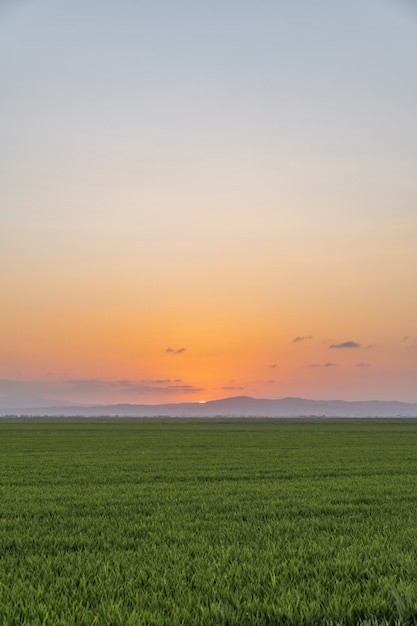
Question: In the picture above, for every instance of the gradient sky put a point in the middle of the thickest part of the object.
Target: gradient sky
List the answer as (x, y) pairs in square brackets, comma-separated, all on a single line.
[(206, 199)]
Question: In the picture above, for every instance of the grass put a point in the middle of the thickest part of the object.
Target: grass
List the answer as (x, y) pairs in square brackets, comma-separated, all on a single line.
[(158, 522)]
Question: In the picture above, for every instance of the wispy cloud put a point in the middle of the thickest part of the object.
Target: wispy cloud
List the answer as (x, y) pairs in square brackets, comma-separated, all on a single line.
[(273, 365), (345, 345), (411, 342), (164, 385), (328, 364), (184, 389), (23, 393), (232, 388), (363, 365), (161, 385), (301, 338), (175, 350)]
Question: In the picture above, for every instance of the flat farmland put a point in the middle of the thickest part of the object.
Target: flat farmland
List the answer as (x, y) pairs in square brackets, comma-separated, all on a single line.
[(158, 522)]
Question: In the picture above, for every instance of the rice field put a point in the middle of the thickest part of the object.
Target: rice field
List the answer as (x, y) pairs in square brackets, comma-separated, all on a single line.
[(231, 522)]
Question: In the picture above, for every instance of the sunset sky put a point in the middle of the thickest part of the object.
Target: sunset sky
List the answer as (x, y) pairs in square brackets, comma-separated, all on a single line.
[(207, 199)]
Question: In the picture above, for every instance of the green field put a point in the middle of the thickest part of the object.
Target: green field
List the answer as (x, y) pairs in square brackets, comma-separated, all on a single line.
[(147, 522)]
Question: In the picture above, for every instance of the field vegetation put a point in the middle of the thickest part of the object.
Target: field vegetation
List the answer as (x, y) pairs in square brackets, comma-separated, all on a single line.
[(232, 522)]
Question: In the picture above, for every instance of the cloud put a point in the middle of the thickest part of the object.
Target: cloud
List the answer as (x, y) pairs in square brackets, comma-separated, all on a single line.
[(345, 344), (363, 365), (273, 365), (175, 351), (301, 338), (160, 385), (405, 338), (231, 388), (43, 393), (87, 382), (184, 389), (328, 364), (23, 393)]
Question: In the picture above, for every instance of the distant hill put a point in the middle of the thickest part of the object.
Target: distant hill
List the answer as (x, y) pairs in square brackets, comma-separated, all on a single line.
[(239, 406)]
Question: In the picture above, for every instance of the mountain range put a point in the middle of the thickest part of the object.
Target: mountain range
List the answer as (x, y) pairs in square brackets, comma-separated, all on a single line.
[(238, 406)]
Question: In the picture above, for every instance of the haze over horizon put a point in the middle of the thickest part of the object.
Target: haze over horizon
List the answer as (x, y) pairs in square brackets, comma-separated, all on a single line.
[(207, 200)]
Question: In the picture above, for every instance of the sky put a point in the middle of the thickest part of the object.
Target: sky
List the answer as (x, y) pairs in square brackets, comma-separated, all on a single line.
[(207, 199)]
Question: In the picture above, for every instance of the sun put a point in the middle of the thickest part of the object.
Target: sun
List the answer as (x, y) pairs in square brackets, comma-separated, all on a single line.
[(201, 401)]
